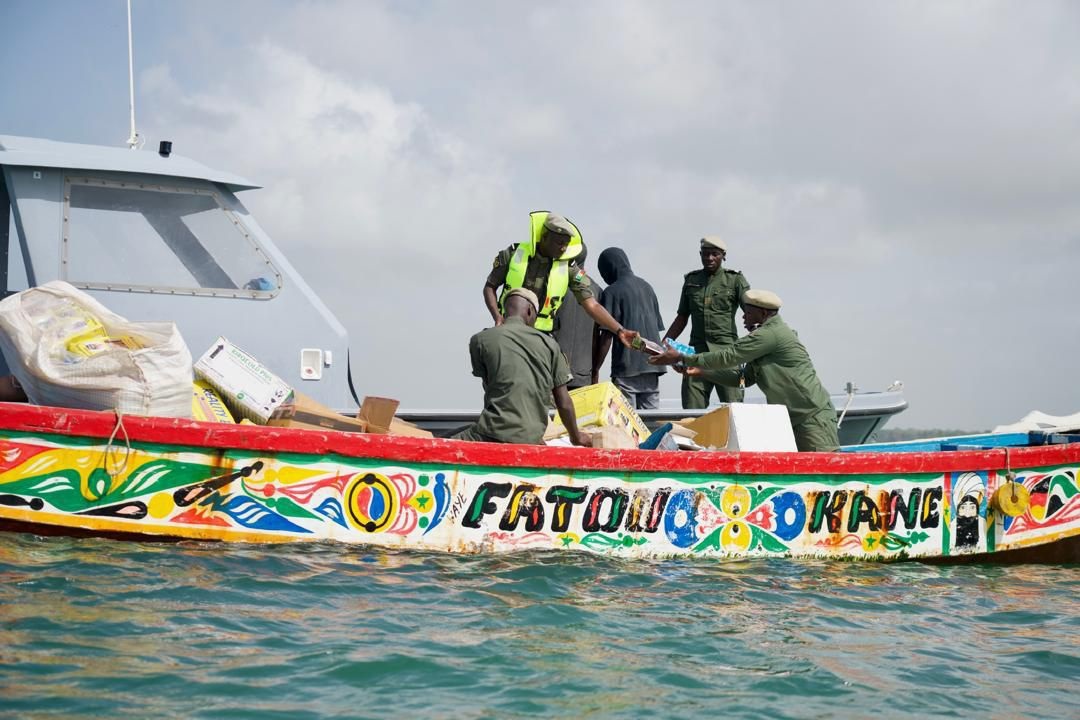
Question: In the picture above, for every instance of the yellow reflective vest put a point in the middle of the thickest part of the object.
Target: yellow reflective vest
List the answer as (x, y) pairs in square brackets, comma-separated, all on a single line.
[(558, 279)]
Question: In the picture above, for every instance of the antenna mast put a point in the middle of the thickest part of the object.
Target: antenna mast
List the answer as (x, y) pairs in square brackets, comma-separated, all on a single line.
[(133, 139)]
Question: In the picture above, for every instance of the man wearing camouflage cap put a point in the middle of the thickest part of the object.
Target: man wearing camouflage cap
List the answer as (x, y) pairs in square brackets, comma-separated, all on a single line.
[(710, 296), (779, 364), (522, 370), (546, 266)]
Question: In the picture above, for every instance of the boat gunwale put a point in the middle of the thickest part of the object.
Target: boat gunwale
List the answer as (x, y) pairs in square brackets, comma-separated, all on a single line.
[(24, 418)]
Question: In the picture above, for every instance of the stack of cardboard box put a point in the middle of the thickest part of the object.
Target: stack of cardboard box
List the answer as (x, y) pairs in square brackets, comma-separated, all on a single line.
[(228, 377)]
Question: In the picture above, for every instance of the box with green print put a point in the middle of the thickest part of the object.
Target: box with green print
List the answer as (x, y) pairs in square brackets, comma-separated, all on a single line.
[(248, 387)]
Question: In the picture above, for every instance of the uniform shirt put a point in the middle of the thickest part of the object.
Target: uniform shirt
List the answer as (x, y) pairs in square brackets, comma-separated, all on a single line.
[(536, 275), (520, 366), (710, 302), (779, 364)]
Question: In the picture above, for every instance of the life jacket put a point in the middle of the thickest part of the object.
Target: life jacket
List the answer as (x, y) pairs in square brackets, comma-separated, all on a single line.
[(558, 279)]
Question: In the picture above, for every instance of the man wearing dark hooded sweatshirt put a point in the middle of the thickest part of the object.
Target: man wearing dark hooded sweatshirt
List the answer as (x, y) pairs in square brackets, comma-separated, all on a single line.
[(574, 330), (632, 302)]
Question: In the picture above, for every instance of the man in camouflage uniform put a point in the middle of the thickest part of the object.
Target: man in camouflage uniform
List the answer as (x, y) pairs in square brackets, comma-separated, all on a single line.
[(779, 364), (709, 299)]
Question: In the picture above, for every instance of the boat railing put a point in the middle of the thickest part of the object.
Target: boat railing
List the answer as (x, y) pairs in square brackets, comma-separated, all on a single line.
[(987, 441)]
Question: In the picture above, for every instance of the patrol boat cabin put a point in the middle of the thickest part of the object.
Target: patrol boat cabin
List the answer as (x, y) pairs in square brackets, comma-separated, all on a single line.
[(154, 235)]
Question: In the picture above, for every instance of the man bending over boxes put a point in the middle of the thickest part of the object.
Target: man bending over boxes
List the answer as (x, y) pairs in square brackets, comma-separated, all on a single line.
[(522, 369), (779, 364)]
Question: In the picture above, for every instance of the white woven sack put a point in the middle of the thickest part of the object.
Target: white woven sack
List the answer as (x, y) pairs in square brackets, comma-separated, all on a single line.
[(154, 380)]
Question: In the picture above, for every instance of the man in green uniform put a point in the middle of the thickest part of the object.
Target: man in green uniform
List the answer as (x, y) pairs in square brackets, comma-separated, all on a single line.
[(779, 364), (522, 369), (546, 266), (709, 299)]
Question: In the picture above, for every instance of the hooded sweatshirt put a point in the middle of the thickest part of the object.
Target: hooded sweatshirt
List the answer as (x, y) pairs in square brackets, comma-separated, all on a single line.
[(633, 304)]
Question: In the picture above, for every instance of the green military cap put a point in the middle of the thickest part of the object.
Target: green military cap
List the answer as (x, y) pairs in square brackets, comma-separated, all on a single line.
[(527, 294), (558, 224), (713, 242), (762, 299)]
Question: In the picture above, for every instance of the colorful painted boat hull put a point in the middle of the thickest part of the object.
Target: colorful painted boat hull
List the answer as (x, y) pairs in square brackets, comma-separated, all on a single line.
[(164, 478)]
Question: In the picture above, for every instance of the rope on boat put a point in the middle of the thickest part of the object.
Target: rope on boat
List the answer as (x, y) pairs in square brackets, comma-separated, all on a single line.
[(1009, 476), (851, 389), (109, 447)]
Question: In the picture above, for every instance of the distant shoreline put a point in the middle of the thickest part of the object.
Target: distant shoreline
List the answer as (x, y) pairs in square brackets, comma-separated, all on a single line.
[(903, 434)]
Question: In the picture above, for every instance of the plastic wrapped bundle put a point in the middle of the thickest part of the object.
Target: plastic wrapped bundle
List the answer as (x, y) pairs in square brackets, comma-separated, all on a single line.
[(68, 350)]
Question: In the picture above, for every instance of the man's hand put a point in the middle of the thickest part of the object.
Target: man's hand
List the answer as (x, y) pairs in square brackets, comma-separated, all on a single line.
[(499, 319), (626, 337), (595, 377), (580, 439), (692, 371), (670, 356)]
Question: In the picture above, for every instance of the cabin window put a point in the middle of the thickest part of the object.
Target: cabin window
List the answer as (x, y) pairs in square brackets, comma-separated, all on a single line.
[(158, 238)]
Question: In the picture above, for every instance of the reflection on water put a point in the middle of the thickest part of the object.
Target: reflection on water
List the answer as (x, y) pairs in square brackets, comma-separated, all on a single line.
[(96, 628)]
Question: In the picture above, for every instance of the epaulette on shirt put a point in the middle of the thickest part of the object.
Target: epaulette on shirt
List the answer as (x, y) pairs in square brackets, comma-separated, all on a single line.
[(499, 255)]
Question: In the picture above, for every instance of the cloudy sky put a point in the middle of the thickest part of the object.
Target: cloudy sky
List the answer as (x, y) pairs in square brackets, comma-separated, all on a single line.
[(905, 175)]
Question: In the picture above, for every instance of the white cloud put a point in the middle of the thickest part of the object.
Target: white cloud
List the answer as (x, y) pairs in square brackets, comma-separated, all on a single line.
[(339, 154)]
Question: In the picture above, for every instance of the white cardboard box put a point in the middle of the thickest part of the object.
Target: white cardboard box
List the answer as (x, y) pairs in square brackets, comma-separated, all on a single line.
[(750, 427), (760, 427), (246, 385)]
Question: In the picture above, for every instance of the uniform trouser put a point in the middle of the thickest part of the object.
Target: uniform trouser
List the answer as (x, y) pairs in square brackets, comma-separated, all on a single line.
[(643, 391), (697, 390), (817, 433), (471, 435)]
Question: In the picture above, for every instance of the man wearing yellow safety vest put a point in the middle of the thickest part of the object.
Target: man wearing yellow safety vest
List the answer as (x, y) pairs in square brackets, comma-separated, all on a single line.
[(545, 265)]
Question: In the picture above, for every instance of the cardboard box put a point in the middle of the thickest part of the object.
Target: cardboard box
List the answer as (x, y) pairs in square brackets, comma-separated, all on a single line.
[(207, 405), (599, 406), (753, 427), (611, 438), (400, 427), (304, 412), (377, 413), (376, 416), (711, 429), (247, 387)]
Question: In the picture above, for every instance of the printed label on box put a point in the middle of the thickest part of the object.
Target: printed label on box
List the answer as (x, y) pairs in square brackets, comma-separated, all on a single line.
[(253, 391)]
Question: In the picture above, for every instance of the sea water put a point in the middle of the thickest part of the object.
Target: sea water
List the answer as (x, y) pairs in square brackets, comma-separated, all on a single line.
[(97, 628)]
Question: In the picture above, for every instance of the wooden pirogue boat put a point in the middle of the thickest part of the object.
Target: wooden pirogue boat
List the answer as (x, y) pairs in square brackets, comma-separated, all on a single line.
[(81, 472)]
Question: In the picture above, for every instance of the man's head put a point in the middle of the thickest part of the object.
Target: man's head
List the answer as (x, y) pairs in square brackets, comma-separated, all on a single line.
[(759, 306), (556, 235), (713, 252), (613, 264), (523, 304)]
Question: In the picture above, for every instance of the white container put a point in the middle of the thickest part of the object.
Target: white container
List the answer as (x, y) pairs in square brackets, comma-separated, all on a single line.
[(247, 386), (758, 427)]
